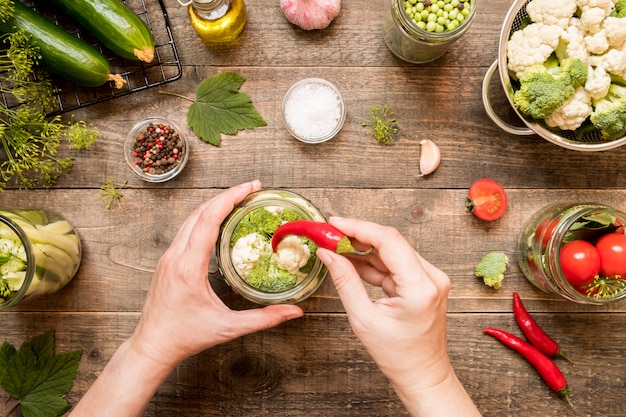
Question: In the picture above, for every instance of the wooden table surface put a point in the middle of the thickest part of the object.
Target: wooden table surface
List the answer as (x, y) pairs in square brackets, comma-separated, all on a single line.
[(315, 366)]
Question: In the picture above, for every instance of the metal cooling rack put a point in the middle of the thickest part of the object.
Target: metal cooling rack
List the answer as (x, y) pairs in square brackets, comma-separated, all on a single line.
[(139, 76)]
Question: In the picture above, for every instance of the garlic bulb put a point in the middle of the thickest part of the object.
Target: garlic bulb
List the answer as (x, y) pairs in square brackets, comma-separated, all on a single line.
[(430, 157), (310, 14)]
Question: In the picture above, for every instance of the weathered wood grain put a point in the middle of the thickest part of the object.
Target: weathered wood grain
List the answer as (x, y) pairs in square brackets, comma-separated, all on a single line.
[(314, 366)]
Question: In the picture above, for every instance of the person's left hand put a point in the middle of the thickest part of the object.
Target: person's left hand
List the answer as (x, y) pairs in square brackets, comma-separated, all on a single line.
[(182, 315)]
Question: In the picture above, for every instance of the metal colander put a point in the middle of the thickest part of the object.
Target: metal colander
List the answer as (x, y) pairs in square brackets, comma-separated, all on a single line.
[(591, 140)]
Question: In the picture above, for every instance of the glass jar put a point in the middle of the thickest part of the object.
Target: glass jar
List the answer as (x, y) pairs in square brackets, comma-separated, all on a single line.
[(271, 199), (548, 230), (313, 110), (171, 149), (414, 44), (217, 21), (40, 253)]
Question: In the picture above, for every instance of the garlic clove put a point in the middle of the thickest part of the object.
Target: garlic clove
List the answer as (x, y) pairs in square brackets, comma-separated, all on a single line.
[(430, 157), (310, 14)]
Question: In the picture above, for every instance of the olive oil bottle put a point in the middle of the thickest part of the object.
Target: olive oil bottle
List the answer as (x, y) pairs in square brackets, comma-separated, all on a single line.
[(217, 21)]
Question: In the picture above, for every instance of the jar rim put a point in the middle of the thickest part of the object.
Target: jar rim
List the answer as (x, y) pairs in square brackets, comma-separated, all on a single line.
[(411, 28), (30, 262), (258, 199)]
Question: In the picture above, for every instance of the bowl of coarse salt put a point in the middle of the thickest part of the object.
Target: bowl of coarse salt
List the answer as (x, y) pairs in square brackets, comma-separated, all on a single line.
[(313, 110)]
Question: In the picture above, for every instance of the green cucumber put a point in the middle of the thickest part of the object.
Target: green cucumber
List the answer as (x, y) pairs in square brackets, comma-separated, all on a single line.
[(62, 53), (114, 24)]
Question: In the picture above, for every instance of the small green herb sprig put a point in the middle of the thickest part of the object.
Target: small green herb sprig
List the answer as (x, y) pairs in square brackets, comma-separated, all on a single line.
[(30, 140), (112, 194), (36, 377), (382, 124)]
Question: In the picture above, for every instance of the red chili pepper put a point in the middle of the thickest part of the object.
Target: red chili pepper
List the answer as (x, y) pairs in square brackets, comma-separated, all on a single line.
[(533, 332), (322, 234), (547, 369)]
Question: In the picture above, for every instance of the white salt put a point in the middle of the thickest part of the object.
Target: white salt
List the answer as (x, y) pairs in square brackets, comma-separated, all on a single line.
[(313, 110)]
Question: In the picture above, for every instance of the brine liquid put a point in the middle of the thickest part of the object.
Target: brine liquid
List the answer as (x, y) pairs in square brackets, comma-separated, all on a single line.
[(224, 29)]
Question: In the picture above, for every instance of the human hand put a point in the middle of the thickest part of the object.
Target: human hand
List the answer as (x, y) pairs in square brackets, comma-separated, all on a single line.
[(182, 315), (405, 333)]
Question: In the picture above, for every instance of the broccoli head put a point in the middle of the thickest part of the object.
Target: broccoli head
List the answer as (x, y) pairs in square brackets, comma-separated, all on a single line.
[(491, 269), (609, 114), (546, 86), (267, 276), (620, 9)]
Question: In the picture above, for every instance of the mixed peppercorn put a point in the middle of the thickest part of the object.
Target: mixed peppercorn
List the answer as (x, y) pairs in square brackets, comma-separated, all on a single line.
[(158, 149)]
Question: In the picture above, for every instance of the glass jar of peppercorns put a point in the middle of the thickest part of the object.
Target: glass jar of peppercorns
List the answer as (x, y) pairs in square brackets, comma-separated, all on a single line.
[(156, 150), (421, 31)]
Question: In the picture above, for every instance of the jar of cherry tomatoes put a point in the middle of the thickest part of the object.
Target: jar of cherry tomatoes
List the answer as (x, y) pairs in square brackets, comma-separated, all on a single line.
[(576, 251)]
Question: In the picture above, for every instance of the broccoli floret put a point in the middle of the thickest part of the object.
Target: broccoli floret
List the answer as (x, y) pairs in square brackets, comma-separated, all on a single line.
[(491, 269), (609, 114), (620, 9), (267, 276), (260, 221), (544, 87), (289, 215)]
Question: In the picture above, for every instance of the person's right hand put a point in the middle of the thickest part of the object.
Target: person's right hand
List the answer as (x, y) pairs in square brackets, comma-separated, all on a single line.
[(405, 332)]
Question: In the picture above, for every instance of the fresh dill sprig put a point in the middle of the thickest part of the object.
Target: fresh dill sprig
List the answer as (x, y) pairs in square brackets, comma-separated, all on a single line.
[(382, 123), (112, 194), (29, 140)]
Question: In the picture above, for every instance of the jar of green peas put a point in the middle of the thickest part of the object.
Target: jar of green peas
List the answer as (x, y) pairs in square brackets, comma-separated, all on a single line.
[(419, 31)]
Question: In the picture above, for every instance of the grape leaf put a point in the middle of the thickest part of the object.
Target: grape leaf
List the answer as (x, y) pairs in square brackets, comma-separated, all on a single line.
[(38, 378), (221, 108)]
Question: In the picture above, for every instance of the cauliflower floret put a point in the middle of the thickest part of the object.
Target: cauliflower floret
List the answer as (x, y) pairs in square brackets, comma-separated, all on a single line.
[(573, 113), (605, 5), (613, 61), (592, 19), (551, 12), (615, 29), (572, 43), (247, 251), (532, 45), (598, 82), (597, 43), (292, 254)]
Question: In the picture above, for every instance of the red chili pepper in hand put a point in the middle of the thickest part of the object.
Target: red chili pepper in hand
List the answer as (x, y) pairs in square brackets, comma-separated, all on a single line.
[(322, 234), (533, 332), (547, 369)]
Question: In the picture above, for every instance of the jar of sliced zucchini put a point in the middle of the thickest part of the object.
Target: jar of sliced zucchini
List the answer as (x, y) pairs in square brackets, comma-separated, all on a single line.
[(40, 253)]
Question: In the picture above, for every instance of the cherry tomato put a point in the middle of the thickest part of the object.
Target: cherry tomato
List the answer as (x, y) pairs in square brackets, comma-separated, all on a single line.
[(612, 249), (580, 262), (487, 199), (547, 229)]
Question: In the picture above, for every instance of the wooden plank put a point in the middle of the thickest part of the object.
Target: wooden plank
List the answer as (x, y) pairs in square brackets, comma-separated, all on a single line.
[(315, 366), (122, 247)]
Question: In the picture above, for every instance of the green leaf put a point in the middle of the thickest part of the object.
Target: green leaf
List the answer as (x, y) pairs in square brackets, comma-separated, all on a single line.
[(43, 406), (221, 108), (42, 345), (38, 378), (7, 351)]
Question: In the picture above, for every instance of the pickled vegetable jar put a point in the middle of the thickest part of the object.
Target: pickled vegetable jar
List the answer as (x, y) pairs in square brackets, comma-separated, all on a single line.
[(422, 30), (40, 253), (546, 264), (275, 289)]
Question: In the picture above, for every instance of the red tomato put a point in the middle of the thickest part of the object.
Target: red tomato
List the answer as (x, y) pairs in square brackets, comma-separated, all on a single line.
[(547, 230), (612, 249), (580, 262), (487, 199)]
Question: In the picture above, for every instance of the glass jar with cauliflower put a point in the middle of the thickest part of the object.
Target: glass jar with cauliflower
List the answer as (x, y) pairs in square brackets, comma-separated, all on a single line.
[(253, 257), (245, 255)]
